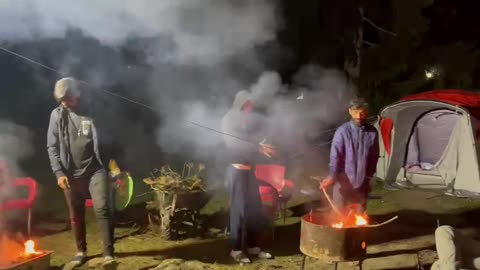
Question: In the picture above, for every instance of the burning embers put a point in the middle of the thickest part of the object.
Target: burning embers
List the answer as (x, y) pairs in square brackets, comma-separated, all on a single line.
[(30, 249), (12, 253), (352, 220)]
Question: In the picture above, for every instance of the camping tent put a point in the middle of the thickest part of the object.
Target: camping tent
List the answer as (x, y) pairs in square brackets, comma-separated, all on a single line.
[(431, 140)]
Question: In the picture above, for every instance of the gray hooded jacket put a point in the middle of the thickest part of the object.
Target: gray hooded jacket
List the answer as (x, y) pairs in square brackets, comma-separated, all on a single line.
[(57, 142), (241, 151)]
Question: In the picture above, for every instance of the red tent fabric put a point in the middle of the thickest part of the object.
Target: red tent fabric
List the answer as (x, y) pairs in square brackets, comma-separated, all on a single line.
[(386, 125), (461, 98)]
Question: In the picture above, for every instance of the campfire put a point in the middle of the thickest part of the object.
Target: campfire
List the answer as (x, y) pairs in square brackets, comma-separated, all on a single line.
[(30, 249), (352, 221), (13, 256), (336, 236)]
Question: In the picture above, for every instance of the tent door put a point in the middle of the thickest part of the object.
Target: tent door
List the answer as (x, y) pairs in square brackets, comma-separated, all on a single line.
[(427, 145)]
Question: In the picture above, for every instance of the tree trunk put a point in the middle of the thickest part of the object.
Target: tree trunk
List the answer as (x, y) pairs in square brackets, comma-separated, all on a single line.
[(353, 62)]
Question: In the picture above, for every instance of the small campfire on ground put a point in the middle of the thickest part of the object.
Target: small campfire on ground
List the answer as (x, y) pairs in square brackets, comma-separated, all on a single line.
[(30, 249), (12, 255)]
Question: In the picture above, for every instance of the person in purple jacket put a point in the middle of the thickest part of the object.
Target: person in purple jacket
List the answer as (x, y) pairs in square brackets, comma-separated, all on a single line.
[(353, 159)]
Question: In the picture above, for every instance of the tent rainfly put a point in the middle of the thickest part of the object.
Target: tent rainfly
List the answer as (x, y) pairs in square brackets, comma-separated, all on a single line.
[(431, 140)]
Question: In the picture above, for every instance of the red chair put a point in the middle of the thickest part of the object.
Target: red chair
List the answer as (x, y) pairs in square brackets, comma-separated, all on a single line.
[(23, 203), (274, 176), (269, 198), (89, 202)]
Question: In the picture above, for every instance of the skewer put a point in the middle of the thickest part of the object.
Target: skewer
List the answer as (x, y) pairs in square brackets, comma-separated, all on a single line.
[(335, 209), (331, 203), (380, 224)]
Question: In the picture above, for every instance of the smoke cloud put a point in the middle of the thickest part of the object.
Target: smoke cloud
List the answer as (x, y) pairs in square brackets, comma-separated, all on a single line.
[(198, 54), (15, 146), (187, 31)]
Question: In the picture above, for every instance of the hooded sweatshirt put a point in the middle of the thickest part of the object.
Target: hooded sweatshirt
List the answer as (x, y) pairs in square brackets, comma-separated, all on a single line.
[(246, 126), (66, 135)]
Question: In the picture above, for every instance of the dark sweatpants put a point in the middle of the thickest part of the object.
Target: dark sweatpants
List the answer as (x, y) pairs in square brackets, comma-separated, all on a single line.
[(245, 208), (100, 190), (344, 194)]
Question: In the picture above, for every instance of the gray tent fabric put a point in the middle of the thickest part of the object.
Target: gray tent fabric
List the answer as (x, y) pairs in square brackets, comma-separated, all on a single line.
[(429, 139), (433, 145)]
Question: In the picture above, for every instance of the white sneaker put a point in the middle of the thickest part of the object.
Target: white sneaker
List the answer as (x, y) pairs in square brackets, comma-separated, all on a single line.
[(257, 252), (108, 260), (79, 259), (109, 263), (239, 256)]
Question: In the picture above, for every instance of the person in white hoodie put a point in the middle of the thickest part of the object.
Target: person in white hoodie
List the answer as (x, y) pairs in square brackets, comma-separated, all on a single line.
[(244, 148), (455, 250)]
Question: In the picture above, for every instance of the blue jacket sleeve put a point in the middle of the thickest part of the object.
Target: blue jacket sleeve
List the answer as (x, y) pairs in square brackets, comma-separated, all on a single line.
[(53, 146), (373, 157), (337, 154)]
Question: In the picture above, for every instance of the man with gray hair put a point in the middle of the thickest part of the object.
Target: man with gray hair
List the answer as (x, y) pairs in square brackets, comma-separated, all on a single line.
[(74, 152), (353, 159)]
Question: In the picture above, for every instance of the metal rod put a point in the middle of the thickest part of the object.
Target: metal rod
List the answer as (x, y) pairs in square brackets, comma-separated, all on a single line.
[(273, 233), (29, 222), (381, 224), (335, 265), (331, 203), (303, 262)]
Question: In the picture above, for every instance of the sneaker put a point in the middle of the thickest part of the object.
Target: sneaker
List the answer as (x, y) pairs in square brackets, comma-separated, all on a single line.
[(257, 252), (405, 184), (108, 262), (239, 256), (78, 259), (390, 187)]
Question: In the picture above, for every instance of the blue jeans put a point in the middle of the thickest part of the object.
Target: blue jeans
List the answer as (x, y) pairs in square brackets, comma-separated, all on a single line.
[(246, 214)]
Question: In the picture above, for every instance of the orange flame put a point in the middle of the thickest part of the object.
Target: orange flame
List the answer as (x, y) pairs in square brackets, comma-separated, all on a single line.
[(360, 221), (352, 221), (338, 225), (30, 248)]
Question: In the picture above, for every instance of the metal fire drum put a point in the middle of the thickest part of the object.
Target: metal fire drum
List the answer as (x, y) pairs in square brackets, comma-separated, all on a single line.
[(318, 239), (39, 262)]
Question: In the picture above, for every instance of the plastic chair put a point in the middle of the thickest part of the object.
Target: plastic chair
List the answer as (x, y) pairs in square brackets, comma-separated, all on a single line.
[(274, 175), (269, 198), (123, 183), (89, 202), (23, 203)]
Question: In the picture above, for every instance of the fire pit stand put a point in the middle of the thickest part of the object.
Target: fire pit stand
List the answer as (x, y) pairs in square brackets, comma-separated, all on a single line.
[(322, 241), (35, 262), (319, 239)]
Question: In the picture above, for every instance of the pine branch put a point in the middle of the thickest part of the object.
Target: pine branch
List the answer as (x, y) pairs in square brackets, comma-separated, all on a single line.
[(377, 26), (369, 43)]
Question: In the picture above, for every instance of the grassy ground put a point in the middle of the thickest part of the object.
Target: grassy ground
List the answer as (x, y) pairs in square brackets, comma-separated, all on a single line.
[(394, 246)]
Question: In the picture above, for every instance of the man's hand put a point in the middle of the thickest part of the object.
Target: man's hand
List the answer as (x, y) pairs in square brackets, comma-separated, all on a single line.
[(268, 150), (326, 183), (62, 182)]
